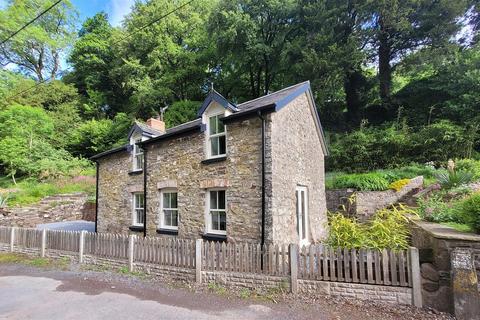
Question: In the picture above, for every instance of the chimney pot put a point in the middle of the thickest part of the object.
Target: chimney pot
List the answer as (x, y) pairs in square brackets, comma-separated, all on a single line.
[(156, 124)]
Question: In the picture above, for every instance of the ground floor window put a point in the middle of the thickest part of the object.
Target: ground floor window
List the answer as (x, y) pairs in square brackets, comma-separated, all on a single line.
[(216, 211), (169, 210), (138, 209), (302, 213)]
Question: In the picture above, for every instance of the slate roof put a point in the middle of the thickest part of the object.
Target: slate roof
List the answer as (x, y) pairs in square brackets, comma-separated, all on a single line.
[(272, 98), (108, 152), (268, 103)]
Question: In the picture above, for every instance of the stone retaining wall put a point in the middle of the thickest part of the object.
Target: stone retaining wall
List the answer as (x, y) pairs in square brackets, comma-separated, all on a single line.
[(436, 243), (64, 207), (368, 202)]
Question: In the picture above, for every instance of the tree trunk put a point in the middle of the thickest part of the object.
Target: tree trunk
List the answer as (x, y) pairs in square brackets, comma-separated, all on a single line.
[(384, 67), (352, 86)]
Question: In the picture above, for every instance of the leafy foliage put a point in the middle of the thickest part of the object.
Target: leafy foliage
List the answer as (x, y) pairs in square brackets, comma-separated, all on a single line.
[(362, 181), (464, 210), (453, 178), (388, 229), (399, 184)]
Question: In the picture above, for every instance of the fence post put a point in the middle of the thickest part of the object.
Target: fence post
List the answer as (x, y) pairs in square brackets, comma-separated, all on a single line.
[(293, 253), (12, 238), (131, 251), (198, 260), (44, 243), (416, 280), (81, 246)]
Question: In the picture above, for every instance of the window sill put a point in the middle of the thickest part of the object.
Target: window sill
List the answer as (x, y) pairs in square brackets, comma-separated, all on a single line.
[(213, 160), (132, 173), (136, 228), (171, 232), (214, 237)]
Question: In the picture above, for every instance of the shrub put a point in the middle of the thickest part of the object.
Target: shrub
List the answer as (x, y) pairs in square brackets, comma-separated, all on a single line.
[(363, 181), (470, 211), (345, 232), (434, 209), (469, 165), (453, 178), (388, 229), (399, 184), (392, 146)]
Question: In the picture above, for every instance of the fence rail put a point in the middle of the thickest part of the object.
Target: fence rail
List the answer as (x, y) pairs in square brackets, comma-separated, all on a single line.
[(314, 262)]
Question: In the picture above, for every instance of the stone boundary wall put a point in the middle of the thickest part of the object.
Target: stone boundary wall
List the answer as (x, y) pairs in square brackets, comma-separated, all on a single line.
[(388, 294), (368, 202), (436, 243), (250, 281)]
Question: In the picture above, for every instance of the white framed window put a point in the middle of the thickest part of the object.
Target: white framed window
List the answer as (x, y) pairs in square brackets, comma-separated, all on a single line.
[(169, 209), (216, 137), (138, 209), (216, 217), (301, 197), (137, 155)]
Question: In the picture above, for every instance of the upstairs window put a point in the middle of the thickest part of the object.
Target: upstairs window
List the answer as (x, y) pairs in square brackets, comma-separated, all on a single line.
[(137, 155), (217, 212), (169, 210), (138, 209), (217, 139)]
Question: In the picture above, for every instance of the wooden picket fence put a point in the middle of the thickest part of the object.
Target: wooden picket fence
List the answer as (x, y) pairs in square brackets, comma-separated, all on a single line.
[(165, 251), (245, 257), (5, 234), (63, 240), (314, 262), (28, 238), (386, 267), (106, 245)]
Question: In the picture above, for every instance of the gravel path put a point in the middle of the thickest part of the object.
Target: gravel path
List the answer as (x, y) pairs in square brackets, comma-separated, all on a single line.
[(33, 293), (78, 225)]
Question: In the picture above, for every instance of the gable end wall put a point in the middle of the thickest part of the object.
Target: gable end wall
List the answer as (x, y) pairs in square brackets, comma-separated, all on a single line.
[(295, 157)]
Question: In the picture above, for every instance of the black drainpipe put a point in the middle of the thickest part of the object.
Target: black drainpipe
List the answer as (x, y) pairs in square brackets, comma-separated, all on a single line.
[(96, 195), (144, 192), (263, 184)]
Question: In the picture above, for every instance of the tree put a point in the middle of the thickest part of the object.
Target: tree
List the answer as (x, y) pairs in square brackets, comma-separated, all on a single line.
[(180, 112), (399, 27), (92, 58), (329, 53), (37, 50), (165, 62), (252, 36)]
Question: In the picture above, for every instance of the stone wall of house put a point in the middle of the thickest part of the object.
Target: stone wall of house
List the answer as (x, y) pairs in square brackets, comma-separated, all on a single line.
[(296, 159), (58, 208), (436, 243), (177, 163), (115, 187), (366, 203)]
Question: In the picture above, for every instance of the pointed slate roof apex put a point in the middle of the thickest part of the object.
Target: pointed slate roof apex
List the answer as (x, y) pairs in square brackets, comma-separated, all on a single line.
[(213, 95), (144, 129)]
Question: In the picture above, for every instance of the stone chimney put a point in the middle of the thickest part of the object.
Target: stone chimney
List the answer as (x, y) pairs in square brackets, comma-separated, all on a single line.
[(156, 124)]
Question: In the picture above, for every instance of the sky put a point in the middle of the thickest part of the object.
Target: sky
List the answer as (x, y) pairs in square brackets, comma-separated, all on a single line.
[(116, 9)]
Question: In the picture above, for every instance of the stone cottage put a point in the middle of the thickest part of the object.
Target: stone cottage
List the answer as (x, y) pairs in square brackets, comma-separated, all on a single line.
[(247, 172)]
